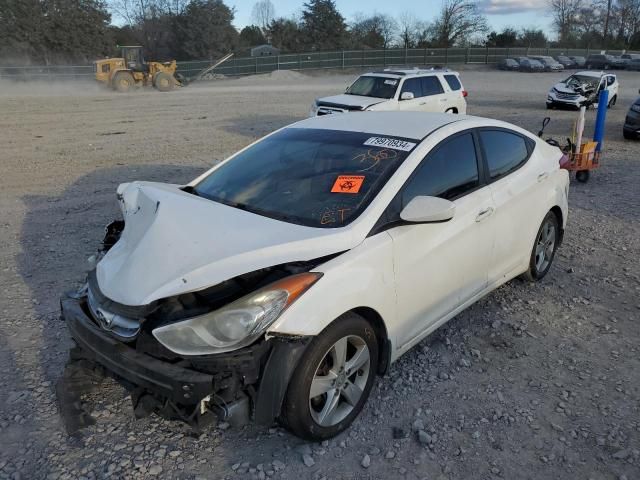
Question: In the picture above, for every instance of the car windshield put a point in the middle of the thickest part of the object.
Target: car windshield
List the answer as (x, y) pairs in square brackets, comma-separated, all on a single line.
[(371, 86), (313, 177)]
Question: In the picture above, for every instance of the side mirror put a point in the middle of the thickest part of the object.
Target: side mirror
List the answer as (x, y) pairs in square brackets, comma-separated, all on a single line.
[(407, 96), (423, 209)]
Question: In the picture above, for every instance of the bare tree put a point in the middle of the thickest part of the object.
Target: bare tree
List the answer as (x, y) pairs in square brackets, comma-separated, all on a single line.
[(409, 29), (458, 20), (263, 14), (565, 14)]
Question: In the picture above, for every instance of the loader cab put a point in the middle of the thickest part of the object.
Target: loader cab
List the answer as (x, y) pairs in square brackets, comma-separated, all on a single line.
[(134, 59)]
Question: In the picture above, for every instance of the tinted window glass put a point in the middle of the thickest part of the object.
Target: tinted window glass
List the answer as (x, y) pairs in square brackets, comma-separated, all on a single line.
[(370, 86), (412, 85), (453, 82), (504, 151), (320, 178), (448, 172), (431, 86)]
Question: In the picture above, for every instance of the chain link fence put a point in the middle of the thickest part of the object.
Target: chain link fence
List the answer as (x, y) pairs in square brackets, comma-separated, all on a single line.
[(313, 61)]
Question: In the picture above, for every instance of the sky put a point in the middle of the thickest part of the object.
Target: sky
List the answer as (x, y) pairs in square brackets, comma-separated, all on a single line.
[(500, 13)]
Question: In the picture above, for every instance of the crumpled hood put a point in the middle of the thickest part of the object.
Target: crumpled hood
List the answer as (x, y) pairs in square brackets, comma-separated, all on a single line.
[(562, 88), (175, 242), (351, 100)]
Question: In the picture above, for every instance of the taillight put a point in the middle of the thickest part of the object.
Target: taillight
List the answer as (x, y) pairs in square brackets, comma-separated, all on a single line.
[(465, 93)]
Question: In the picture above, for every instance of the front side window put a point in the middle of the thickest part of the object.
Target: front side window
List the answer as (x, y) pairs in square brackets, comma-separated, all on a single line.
[(504, 151), (447, 172), (372, 86), (313, 177), (431, 86), (414, 86), (454, 83)]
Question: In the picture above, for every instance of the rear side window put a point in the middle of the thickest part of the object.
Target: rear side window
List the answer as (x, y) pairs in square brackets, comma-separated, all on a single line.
[(453, 81), (431, 86), (504, 151), (448, 172)]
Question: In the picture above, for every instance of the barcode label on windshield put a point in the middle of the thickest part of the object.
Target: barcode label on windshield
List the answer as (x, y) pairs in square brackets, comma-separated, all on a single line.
[(389, 143)]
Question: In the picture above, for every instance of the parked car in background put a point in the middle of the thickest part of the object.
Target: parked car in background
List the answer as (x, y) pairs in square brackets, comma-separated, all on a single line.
[(631, 128), (582, 89), (602, 61), (508, 64), (566, 62), (530, 65), (395, 89), (633, 64), (628, 57), (550, 64), (349, 239), (579, 61)]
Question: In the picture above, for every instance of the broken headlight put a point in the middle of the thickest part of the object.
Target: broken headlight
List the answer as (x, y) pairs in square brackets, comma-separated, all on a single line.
[(235, 325)]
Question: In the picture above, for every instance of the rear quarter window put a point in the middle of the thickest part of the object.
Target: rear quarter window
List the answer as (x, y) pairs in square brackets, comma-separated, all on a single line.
[(453, 81), (505, 151)]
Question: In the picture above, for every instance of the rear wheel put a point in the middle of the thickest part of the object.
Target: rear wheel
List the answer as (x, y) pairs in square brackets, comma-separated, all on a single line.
[(123, 82), (582, 176), (333, 380), (163, 81), (544, 248)]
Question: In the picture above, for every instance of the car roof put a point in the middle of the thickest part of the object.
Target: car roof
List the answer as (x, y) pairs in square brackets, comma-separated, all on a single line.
[(590, 73), (414, 125), (410, 72)]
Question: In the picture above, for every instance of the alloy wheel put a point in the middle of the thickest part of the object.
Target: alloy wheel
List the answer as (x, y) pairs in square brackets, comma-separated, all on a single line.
[(545, 245), (339, 381)]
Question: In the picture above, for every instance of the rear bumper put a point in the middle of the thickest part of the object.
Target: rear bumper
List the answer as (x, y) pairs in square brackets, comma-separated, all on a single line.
[(182, 385)]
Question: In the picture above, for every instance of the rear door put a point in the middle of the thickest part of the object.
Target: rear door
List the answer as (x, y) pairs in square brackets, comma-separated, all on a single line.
[(435, 96), (517, 184), (457, 95)]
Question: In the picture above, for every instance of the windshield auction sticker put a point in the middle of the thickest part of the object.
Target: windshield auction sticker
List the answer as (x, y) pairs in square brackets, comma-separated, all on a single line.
[(389, 143), (348, 184)]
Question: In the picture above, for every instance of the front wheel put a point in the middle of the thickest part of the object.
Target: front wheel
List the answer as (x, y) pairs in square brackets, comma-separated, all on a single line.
[(544, 248), (163, 81), (333, 380)]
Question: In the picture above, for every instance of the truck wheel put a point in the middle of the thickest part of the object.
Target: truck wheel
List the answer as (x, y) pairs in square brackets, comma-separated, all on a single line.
[(163, 81), (332, 382), (582, 176), (123, 82)]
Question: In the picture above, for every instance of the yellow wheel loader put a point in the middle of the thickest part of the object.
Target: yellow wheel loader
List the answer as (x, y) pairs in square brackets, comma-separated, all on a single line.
[(131, 70)]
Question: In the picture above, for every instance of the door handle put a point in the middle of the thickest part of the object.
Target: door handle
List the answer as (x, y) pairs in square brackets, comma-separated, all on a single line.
[(423, 103), (542, 176), (484, 213)]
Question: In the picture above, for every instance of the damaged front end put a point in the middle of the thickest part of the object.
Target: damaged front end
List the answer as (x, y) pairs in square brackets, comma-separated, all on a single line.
[(116, 340)]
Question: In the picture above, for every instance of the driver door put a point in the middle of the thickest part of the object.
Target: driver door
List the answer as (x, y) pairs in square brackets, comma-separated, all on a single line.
[(440, 266)]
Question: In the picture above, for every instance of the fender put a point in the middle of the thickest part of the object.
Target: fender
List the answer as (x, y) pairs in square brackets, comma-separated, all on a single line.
[(282, 362)]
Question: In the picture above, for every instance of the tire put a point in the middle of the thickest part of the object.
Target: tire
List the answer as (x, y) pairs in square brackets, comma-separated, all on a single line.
[(123, 82), (612, 102), (318, 418), (628, 135), (549, 106), (453, 111), (583, 176), (163, 81), (544, 248)]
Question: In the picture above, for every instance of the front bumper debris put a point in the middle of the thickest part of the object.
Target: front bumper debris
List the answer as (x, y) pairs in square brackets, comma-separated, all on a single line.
[(197, 390)]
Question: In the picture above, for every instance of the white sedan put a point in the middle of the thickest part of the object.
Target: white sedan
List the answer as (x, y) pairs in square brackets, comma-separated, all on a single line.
[(279, 283)]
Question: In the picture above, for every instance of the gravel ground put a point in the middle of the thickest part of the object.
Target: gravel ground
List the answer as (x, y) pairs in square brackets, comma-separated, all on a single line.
[(533, 382)]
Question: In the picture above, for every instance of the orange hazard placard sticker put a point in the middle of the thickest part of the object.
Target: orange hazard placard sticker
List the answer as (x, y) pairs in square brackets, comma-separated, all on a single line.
[(348, 184)]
